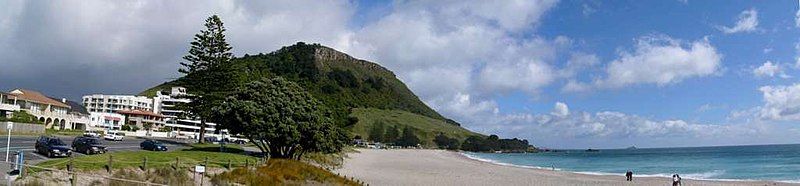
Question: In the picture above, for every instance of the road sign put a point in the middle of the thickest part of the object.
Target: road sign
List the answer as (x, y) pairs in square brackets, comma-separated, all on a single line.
[(200, 169), (9, 125)]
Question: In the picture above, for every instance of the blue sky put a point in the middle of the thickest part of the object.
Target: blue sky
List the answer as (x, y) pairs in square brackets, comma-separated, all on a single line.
[(563, 74)]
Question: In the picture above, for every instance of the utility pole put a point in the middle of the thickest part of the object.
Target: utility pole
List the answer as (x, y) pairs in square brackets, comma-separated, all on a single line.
[(9, 126)]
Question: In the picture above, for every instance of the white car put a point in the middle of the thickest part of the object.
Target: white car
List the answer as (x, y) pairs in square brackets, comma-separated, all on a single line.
[(91, 134), (114, 136)]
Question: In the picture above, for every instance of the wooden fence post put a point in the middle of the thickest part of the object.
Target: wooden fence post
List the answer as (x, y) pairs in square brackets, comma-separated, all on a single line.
[(144, 164), (246, 163), (206, 162), (229, 164), (110, 165), (73, 180), (177, 163)]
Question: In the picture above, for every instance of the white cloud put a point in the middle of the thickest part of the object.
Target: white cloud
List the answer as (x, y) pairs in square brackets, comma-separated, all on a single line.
[(560, 110), (587, 9), (797, 16), (748, 22), (797, 54), (661, 60), (769, 69), (781, 102), (466, 46), (577, 62), (127, 46), (570, 129)]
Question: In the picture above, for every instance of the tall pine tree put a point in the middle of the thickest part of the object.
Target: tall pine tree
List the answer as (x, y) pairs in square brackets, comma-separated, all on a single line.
[(209, 75)]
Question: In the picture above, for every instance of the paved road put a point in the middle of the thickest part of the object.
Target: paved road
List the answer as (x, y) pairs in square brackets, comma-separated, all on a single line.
[(26, 145)]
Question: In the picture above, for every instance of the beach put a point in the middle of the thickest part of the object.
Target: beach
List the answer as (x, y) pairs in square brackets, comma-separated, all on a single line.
[(439, 167)]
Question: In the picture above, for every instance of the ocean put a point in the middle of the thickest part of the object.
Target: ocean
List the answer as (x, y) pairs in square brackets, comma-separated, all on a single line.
[(759, 162)]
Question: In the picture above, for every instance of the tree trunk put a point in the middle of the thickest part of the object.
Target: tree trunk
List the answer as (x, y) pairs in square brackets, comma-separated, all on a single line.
[(202, 131)]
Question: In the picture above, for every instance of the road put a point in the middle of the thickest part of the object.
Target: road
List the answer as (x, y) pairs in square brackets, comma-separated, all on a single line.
[(26, 145)]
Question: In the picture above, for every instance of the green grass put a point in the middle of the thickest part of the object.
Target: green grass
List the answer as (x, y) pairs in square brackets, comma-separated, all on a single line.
[(427, 128), (64, 132), (281, 172), (125, 159)]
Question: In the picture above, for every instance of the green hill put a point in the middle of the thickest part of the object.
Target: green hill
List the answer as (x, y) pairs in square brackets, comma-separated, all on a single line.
[(340, 81), (427, 128)]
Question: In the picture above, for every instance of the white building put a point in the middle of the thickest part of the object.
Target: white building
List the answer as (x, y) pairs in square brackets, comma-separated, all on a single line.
[(114, 103), (102, 121), (166, 104), (51, 112)]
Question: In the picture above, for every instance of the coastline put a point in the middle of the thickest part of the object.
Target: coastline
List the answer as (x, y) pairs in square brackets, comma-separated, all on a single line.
[(732, 181), (439, 167)]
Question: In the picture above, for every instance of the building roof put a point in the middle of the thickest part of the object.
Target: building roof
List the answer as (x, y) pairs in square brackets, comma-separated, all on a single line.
[(33, 96), (139, 112), (77, 107)]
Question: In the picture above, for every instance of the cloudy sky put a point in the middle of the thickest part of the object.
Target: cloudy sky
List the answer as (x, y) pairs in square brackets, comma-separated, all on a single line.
[(563, 74)]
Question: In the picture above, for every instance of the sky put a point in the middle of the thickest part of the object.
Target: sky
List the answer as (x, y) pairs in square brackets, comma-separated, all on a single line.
[(562, 74)]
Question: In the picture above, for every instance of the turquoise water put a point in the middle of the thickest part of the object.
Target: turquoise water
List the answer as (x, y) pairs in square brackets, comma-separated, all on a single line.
[(762, 162)]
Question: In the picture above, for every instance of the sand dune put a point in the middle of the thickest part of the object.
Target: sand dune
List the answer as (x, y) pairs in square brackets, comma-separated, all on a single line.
[(438, 167)]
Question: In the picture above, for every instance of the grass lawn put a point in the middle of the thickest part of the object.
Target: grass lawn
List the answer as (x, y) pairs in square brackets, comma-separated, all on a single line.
[(427, 128), (187, 158), (275, 172), (64, 132)]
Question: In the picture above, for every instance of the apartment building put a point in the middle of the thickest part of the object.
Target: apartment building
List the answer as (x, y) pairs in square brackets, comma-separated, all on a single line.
[(114, 103), (165, 103)]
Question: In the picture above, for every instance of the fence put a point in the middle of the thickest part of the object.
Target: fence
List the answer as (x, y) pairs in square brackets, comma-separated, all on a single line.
[(116, 172), (24, 128)]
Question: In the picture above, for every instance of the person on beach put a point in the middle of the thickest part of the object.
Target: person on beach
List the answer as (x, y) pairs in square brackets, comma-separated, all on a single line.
[(676, 180), (629, 176)]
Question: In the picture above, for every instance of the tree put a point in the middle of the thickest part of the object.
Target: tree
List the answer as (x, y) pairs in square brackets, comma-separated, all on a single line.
[(445, 142), (376, 133), (208, 71), (392, 134), (474, 144), (280, 118), (22, 117), (409, 138)]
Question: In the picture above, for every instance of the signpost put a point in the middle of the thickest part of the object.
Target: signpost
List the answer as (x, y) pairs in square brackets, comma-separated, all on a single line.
[(9, 126), (200, 169)]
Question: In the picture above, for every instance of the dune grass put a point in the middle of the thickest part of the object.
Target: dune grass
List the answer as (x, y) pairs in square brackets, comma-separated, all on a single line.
[(281, 172)]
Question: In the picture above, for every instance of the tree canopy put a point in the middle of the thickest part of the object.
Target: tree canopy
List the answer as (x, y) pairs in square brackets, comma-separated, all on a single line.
[(281, 118), (209, 71)]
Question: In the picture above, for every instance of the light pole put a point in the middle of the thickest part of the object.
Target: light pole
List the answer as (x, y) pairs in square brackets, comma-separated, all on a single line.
[(9, 125)]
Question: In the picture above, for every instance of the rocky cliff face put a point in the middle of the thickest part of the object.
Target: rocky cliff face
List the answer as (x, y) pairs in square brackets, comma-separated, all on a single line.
[(328, 55)]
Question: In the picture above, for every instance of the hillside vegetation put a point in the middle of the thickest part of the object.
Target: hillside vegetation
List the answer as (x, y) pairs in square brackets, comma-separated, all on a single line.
[(426, 128), (342, 83)]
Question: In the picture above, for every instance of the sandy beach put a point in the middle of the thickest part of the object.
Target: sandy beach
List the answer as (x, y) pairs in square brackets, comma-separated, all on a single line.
[(438, 167)]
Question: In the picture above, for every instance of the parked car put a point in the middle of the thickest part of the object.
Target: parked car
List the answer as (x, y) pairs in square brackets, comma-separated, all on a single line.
[(88, 145), (153, 145), (52, 147), (212, 139), (91, 134), (115, 136), (240, 141)]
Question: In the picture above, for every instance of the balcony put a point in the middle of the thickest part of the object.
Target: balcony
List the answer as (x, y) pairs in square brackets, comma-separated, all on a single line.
[(9, 107)]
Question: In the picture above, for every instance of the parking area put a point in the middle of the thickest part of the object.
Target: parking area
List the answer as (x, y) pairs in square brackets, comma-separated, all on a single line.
[(26, 145)]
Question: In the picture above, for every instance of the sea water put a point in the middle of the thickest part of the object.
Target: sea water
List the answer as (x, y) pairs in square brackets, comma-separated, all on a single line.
[(762, 162)]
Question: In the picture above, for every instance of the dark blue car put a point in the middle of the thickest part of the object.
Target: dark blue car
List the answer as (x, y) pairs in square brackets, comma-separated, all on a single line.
[(52, 147), (152, 145)]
